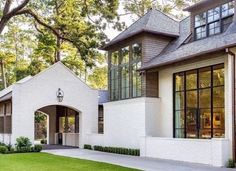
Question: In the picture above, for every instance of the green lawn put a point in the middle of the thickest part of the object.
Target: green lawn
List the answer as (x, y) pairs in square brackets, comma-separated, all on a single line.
[(48, 162)]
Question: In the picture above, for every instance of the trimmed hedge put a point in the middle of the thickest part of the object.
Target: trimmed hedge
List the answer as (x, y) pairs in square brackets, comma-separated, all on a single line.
[(87, 146), (118, 150)]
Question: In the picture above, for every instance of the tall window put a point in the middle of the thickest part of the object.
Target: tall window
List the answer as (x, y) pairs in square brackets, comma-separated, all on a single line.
[(100, 119), (5, 117), (125, 85), (114, 80), (214, 21), (199, 103), (136, 64), (125, 80)]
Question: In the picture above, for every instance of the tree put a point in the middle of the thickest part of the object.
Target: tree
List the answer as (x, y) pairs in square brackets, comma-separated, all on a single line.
[(98, 78), (172, 7), (78, 22)]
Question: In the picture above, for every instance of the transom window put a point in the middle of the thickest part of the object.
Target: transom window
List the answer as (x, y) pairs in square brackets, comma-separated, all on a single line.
[(124, 79), (214, 21), (199, 103)]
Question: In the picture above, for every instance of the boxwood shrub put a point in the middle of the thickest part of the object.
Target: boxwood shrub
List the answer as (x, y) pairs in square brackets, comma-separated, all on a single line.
[(87, 146), (3, 150), (117, 150)]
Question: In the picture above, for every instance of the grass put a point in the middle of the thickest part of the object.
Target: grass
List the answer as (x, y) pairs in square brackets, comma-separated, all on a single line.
[(49, 162)]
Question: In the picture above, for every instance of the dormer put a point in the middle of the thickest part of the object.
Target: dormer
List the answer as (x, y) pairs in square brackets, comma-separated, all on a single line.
[(211, 17)]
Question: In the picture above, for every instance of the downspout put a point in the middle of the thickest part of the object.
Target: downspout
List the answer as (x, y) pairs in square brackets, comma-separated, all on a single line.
[(229, 52)]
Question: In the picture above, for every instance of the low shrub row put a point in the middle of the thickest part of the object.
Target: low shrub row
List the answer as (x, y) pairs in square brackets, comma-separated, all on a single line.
[(117, 150), (87, 146), (23, 145)]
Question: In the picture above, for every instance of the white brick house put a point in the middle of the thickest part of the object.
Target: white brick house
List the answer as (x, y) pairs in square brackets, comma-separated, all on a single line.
[(171, 91)]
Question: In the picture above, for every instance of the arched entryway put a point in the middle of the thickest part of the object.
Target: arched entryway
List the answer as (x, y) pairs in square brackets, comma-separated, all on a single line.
[(62, 124)]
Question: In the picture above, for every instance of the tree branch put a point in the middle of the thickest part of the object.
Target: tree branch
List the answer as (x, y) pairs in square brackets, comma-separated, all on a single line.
[(43, 23), (7, 7), (18, 8)]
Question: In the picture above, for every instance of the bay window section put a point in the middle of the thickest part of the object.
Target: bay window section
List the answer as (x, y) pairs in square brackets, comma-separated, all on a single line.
[(114, 79), (199, 103), (124, 66), (136, 64), (124, 77)]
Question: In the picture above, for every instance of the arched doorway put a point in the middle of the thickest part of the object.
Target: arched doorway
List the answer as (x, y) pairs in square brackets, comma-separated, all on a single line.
[(63, 125)]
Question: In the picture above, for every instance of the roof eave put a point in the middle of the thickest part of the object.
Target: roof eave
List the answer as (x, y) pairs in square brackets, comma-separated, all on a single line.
[(106, 47), (185, 58)]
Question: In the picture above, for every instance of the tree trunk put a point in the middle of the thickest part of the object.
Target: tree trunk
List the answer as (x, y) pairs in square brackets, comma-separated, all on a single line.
[(57, 52), (3, 75), (3, 23)]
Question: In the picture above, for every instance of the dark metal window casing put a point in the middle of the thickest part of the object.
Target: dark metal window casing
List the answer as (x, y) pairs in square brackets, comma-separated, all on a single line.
[(199, 103), (214, 21), (124, 79)]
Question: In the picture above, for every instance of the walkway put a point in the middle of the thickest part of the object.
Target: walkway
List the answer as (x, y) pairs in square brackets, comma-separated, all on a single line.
[(134, 162)]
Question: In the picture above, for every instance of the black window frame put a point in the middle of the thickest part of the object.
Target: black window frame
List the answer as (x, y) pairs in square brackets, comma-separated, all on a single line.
[(130, 68), (207, 23), (184, 90)]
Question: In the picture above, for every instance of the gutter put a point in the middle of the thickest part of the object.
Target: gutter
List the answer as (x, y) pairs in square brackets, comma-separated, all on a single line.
[(229, 52)]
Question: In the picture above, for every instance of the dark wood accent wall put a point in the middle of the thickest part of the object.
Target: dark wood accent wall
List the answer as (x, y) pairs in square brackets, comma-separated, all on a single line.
[(150, 84), (152, 46)]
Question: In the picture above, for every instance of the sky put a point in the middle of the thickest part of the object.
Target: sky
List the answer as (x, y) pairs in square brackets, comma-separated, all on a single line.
[(128, 19)]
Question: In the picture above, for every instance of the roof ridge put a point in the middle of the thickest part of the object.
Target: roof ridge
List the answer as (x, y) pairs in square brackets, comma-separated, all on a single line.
[(132, 24), (174, 19)]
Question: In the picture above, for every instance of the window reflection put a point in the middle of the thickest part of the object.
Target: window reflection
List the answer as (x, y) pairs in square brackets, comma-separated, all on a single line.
[(204, 110)]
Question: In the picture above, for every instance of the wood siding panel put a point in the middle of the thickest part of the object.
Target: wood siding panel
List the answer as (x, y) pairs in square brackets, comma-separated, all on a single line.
[(150, 84), (153, 46)]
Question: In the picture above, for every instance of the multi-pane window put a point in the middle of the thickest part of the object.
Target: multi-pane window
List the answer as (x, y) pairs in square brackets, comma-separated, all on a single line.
[(125, 73), (5, 117), (200, 25), (100, 119), (114, 72), (136, 64), (199, 103), (214, 21), (124, 79)]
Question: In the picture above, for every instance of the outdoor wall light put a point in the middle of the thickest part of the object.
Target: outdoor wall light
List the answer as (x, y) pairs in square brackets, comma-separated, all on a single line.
[(60, 95)]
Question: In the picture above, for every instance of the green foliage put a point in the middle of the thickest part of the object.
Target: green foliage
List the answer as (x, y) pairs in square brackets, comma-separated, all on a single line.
[(98, 78), (23, 144), (39, 117), (172, 7), (3, 150), (28, 47), (37, 148), (118, 150), (43, 141), (230, 164), (87, 146)]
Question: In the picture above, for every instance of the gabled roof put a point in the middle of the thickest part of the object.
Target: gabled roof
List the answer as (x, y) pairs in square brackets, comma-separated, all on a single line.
[(196, 48), (154, 22), (6, 93)]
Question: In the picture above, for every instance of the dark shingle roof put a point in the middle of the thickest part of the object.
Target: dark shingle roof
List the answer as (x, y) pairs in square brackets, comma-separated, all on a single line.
[(189, 50), (154, 22)]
